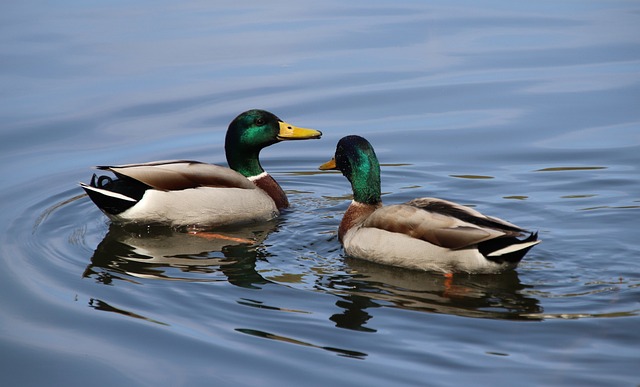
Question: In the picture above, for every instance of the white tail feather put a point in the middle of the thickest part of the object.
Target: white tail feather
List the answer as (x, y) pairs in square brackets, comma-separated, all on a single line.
[(512, 248), (108, 193)]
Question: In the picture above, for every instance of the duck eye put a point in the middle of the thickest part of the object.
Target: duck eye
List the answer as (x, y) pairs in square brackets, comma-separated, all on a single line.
[(260, 121)]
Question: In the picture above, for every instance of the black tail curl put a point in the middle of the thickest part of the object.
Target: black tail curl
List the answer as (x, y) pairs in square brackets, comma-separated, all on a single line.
[(124, 186), (487, 247)]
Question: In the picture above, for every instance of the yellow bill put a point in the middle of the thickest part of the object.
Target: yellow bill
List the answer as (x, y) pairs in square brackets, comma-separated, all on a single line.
[(329, 165), (290, 132)]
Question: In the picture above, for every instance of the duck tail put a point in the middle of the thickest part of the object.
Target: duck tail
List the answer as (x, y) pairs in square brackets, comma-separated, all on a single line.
[(109, 201), (508, 249)]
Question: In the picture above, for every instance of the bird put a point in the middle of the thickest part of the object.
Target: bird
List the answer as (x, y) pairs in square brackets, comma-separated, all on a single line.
[(191, 193), (426, 233)]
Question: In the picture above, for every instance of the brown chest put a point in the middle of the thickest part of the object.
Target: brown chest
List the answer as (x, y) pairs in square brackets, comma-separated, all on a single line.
[(273, 189), (355, 214)]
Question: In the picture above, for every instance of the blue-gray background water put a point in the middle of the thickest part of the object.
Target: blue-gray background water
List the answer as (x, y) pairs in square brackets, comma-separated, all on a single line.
[(529, 112)]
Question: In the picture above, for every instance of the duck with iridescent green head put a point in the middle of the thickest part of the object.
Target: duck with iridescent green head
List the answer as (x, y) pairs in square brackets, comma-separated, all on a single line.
[(193, 193), (425, 233)]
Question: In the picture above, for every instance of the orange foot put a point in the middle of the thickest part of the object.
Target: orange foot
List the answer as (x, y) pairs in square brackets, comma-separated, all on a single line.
[(213, 235), (451, 290)]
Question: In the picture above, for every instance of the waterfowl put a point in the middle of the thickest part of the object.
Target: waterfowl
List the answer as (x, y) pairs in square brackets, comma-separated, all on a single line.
[(425, 233), (193, 193)]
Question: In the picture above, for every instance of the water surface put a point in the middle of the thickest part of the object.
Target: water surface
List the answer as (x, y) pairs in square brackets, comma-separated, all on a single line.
[(526, 112)]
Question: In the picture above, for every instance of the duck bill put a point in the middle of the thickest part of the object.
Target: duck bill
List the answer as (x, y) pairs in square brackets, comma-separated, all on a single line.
[(290, 132), (329, 165)]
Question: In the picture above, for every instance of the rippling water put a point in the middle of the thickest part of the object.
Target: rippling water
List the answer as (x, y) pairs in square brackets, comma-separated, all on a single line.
[(526, 112)]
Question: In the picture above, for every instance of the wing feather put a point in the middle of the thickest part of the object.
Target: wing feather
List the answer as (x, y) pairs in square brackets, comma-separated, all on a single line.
[(466, 214), (181, 174), (441, 223)]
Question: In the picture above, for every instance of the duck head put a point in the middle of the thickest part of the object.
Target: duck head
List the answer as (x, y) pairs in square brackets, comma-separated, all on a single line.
[(254, 130), (358, 162)]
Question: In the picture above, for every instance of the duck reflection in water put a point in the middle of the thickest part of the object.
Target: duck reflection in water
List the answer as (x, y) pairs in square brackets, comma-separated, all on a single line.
[(165, 253), (493, 296), (230, 255)]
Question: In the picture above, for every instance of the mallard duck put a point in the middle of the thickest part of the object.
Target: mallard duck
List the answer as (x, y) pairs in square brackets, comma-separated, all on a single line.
[(192, 193), (424, 233)]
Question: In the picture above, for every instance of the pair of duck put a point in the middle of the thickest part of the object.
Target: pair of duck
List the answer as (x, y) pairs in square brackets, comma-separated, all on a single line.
[(424, 233)]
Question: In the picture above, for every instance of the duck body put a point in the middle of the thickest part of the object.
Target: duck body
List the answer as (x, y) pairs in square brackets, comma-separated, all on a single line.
[(425, 233), (411, 236), (192, 193), (181, 192)]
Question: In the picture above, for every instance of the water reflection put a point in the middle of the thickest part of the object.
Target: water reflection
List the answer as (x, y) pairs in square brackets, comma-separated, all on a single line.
[(271, 336), (103, 306), (368, 285), (163, 253)]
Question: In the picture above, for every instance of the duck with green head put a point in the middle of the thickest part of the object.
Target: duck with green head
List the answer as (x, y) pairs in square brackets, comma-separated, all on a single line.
[(425, 233), (192, 193)]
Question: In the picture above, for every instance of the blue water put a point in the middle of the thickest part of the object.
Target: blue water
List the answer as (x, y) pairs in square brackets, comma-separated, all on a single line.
[(528, 112)]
